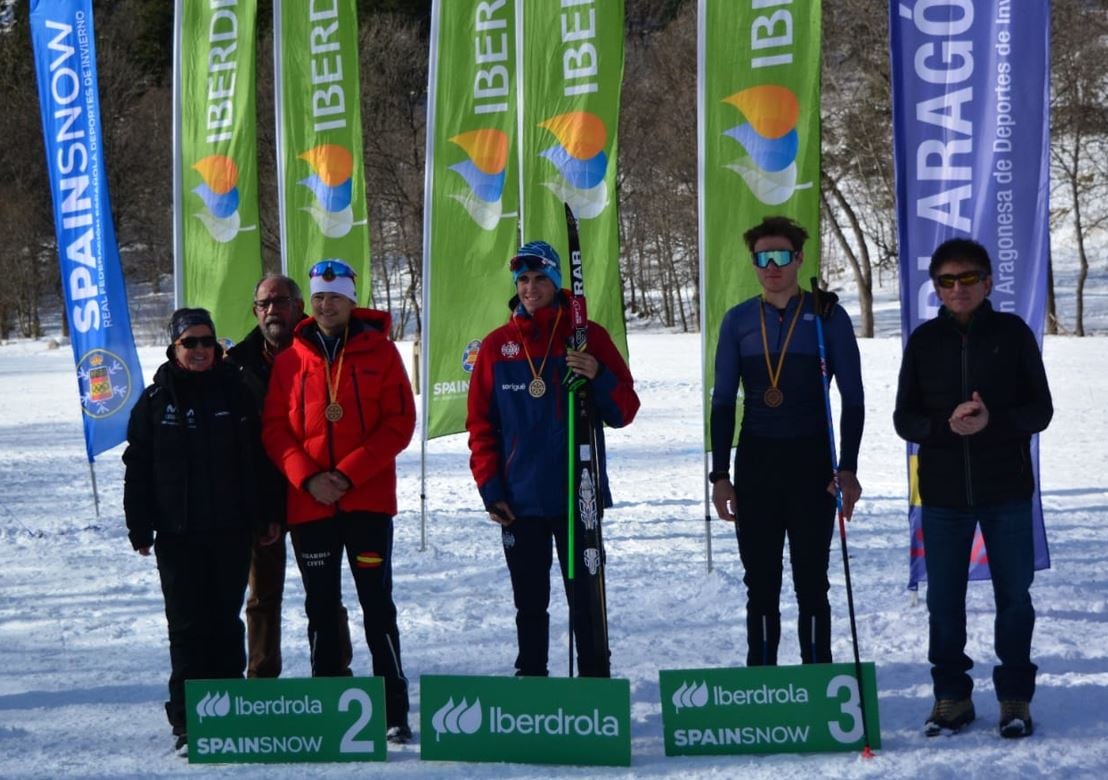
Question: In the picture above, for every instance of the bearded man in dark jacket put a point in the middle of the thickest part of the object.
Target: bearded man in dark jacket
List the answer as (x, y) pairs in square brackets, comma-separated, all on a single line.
[(972, 392), (190, 493), (278, 306)]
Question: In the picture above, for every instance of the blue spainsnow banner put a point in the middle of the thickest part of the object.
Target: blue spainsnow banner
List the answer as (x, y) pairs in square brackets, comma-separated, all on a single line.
[(108, 374), (971, 120)]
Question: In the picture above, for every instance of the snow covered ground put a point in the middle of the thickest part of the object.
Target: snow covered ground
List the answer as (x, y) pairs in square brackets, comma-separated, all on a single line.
[(83, 657)]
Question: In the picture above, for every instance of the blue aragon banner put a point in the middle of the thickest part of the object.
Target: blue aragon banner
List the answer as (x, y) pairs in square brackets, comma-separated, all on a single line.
[(971, 121), (109, 377)]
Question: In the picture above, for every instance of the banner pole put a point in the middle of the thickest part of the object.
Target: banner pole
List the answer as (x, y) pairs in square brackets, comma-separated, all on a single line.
[(95, 492)]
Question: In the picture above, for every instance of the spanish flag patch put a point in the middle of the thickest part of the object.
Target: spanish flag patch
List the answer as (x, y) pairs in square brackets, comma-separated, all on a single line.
[(368, 560)]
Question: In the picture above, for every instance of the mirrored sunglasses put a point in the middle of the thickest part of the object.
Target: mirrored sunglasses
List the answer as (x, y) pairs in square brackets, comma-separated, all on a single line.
[(192, 342), (530, 262), (330, 269), (966, 279), (779, 257)]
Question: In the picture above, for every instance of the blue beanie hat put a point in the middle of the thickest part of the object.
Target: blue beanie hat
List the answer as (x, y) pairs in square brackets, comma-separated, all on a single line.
[(537, 256)]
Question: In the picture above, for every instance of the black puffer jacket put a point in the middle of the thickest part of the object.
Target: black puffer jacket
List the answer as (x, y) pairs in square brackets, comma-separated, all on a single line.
[(996, 356), (192, 456)]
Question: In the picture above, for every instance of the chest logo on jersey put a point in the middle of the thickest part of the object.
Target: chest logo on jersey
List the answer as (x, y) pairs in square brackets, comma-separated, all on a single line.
[(510, 349)]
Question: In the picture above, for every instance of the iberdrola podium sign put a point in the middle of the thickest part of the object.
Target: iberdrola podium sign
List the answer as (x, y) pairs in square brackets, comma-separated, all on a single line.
[(534, 720)]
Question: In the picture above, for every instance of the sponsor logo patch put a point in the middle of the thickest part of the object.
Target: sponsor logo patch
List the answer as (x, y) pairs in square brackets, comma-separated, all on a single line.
[(510, 349)]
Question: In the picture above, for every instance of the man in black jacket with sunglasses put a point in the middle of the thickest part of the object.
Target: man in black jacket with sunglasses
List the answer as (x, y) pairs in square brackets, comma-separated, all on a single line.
[(972, 392)]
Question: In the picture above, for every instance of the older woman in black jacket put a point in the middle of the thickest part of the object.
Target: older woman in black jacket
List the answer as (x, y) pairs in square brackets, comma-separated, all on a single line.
[(190, 494)]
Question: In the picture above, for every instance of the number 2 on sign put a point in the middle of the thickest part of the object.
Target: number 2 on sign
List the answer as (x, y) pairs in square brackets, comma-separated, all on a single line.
[(349, 744), (850, 708)]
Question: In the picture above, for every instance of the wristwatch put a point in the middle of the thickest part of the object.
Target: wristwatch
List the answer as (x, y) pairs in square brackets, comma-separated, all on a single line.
[(716, 476)]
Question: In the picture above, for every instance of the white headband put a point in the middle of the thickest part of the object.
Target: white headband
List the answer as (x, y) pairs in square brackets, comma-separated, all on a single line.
[(342, 285)]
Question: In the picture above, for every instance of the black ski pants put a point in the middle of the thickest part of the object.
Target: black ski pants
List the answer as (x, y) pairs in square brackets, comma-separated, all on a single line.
[(781, 491), (527, 550), (367, 539), (203, 580)]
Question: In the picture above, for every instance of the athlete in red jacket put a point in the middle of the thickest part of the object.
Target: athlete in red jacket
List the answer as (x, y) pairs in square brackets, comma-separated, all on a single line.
[(518, 438), (338, 411)]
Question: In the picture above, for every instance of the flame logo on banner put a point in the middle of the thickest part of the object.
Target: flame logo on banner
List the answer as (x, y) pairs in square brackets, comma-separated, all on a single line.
[(484, 173), (331, 184), (580, 160), (464, 718), (690, 695), (770, 140), (220, 193)]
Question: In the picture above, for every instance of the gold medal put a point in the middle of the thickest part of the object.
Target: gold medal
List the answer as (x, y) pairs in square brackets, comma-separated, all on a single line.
[(333, 410), (773, 397), (537, 388)]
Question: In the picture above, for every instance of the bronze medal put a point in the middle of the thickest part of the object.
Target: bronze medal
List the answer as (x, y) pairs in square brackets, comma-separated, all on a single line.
[(537, 386), (333, 412), (773, 396)]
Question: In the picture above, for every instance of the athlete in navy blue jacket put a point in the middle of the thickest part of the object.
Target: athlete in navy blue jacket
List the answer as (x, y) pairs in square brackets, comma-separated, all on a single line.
[(518, 438), (784, 484)]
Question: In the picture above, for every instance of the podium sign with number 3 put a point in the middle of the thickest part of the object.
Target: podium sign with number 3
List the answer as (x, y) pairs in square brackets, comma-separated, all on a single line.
[(769, 709)]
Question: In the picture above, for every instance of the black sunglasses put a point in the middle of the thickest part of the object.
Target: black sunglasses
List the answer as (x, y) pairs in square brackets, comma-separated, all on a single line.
[(966, 279), (192, 342)]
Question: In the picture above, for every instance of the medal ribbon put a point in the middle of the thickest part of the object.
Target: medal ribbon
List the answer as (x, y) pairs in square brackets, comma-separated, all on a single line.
[(530, 363), (333, 384), (774, 376)]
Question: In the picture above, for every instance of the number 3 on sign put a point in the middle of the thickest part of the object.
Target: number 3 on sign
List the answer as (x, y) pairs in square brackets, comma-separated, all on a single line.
[(851, 708), (349, 744)]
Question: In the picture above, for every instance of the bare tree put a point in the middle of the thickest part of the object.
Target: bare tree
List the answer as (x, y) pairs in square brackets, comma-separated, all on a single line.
[(394, 93), (28, 265), (857, 196), (657, 172), (1079, 132)]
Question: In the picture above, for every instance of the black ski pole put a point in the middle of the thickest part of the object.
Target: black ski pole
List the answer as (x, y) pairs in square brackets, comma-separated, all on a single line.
[(867, 751), (571, 513)]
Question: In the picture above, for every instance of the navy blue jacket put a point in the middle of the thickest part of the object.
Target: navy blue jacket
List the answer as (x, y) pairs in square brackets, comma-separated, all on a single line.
[(740, 357)]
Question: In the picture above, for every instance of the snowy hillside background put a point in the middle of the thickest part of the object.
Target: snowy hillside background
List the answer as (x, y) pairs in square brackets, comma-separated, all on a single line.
[(83, 657)]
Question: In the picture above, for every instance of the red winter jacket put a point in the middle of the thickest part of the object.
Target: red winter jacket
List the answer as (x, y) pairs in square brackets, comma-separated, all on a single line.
[(377, 423), (518, 443)]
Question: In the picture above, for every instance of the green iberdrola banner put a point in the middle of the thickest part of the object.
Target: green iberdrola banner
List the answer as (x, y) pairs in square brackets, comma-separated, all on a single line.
[(759, 145), (471, 196), (572, 70), (217, 249), (320, 174)]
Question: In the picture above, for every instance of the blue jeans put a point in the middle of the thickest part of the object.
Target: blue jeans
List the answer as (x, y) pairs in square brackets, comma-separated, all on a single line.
[(948, 538)]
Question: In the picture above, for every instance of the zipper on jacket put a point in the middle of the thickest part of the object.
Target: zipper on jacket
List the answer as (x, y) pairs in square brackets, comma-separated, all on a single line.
[(358, 399), (966, 439)]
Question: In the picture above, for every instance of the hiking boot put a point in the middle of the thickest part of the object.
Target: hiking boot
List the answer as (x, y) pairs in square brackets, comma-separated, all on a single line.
[(181, 744), (399, 735), (1015, 719), (949, 715)]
